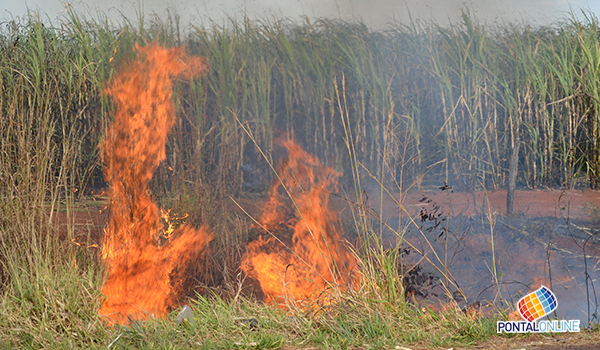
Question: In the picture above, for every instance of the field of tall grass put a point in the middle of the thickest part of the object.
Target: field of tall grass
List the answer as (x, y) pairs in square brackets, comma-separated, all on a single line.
[(412, 105)]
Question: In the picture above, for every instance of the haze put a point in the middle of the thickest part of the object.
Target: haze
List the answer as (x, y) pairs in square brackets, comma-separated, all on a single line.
[(375, 13)]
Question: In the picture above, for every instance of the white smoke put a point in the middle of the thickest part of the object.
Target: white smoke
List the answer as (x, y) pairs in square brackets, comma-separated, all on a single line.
[(375, 13)]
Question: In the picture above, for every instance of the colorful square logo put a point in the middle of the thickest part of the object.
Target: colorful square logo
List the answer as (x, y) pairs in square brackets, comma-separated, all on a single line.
[(537, 304)]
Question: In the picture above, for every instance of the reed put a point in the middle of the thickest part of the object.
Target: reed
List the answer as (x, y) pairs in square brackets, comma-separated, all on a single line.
[(465, 88)]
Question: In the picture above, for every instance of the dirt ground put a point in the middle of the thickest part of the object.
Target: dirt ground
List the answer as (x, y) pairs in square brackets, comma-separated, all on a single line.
[(572, 341), (585, 340), (581, 341), (576, 204), (89, 220)]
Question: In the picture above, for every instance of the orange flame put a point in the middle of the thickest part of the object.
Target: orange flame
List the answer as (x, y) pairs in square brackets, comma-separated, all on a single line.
[(140, 259), (303, 266)]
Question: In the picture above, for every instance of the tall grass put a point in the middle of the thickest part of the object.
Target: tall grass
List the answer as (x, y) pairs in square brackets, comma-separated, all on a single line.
[(466, 89), (49, 128)]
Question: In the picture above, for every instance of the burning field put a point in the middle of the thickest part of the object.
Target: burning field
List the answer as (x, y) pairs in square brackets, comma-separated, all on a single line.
[(302, 252), (349, 186), (298, 258), (299, 254), (141, 256)]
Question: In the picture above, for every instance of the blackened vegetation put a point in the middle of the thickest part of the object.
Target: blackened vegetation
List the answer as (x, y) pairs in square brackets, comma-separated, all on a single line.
[(252, 178), (420, 280), (446, 187), (417, 282), (434, 216)]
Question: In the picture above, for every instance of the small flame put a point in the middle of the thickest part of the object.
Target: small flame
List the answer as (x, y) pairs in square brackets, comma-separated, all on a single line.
[(139, 254), (304, 266)]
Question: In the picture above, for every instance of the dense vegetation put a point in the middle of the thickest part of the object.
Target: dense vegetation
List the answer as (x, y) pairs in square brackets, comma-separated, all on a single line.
[(443, 101)]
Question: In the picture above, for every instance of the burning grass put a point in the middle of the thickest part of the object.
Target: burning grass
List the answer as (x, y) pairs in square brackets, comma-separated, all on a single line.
[(311, 258), (140, 257), (357, 99)]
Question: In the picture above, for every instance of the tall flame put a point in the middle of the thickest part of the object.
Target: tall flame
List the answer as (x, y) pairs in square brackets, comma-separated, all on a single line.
[(301, 267), (140, 261)]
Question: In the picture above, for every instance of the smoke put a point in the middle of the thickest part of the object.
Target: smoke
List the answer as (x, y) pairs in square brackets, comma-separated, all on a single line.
[(374, 13)]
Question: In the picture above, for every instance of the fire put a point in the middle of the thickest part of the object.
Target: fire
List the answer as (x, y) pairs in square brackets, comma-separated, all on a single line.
[(140, 256), (304, 256)]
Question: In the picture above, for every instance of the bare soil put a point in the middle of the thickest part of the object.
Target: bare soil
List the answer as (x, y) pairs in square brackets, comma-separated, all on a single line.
[(576, 204), (91, 216), (575, 341), (585, 340), (88, 220)]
